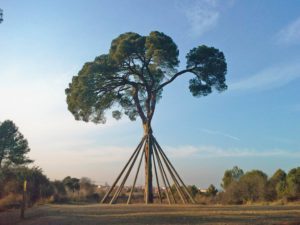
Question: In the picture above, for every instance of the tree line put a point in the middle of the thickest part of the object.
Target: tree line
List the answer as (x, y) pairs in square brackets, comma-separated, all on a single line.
[(255, 185), (238, 187), (252, 187), (14, 170)]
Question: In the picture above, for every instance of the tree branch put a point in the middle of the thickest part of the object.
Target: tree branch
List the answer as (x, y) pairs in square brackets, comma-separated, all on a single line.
[(152, 105), (134, 71), (138, 105), (173, 78)]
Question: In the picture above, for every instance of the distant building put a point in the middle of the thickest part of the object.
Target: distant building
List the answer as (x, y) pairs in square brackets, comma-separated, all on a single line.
[(202, 190), (104, 187)]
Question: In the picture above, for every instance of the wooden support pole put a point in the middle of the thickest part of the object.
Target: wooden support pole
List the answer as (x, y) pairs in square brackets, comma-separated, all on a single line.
[(157, 181), (163, 170), (182, 183), (23, 204), (118, 178), (184, 186), (177, 186), (116, 195), (162, 176), (148, 170), (136, 175)]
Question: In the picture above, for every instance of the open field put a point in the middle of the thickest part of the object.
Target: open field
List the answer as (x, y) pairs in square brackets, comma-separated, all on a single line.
[(155, 214)]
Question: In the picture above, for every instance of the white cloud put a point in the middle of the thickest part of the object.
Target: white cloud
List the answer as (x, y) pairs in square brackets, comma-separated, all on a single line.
[(269, 78), (203, 15), (109, 154), (214, 132), (214, 151), (85, 158), (290, 34)]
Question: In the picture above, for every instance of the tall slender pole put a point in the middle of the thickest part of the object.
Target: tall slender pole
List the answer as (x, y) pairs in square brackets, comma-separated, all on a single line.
[(136, 175), (157, 182), (152, 152), (116, 195), (166, 177), (118, 178), (148, 171), (23, 205), (177, 186), (162, 175), (184, 186)]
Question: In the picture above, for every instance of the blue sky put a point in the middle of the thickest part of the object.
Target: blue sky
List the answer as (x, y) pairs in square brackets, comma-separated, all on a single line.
[(255, 124)]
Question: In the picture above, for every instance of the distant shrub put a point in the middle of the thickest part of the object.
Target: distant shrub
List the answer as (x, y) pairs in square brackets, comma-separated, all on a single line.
[(10, 201), (95, 197), (12, 180)]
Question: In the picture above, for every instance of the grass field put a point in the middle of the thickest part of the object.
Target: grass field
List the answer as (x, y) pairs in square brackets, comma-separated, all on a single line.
[(97, 214)]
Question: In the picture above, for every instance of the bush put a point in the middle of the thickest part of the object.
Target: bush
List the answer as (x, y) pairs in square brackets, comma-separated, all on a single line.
[(293, 184), (95, 197), (57, 198), (10, 201), (12, 179)]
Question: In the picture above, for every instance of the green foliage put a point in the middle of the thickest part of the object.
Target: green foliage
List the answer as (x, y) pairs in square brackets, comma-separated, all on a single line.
[(209, 66), (248, 187), (277, 185), (12, 179), (231, 176), (71, 183), (87, 187), (253, 185), (13, 145), (293, 183), (72, 189), (278, 176), (211, 190), (234, 194), (38, 185), (133, 74), (193, 190), (59, 187), (59, 192)]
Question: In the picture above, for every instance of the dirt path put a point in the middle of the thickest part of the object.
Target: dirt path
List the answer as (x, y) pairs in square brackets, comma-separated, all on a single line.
[(139, 214)]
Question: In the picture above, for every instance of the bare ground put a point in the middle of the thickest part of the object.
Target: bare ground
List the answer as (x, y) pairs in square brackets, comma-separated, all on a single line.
[(97, 214)]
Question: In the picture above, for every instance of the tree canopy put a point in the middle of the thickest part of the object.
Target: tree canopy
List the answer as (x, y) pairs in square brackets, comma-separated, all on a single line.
[(293, 183), (13, 145), (132, 76), (72, 183), (230, 176)]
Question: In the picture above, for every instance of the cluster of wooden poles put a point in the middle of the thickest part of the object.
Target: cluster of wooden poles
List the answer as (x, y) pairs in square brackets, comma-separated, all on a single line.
[(166, 169)]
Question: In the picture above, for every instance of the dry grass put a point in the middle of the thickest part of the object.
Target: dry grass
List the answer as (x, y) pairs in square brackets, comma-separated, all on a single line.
[(9, 200), (154, 214)]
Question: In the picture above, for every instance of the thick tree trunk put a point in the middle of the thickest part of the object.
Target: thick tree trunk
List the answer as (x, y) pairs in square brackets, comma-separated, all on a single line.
[(148, 164)]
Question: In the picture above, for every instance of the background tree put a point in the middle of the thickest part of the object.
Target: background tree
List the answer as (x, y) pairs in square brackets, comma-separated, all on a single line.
[(211, 190), (293, 183), (71, 183), (38, 184), (11, 185), (13, 145), (60, 193), (87, 188), (193, 190), (253, 186), (276, 185), (132, 76), (230, 176)]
